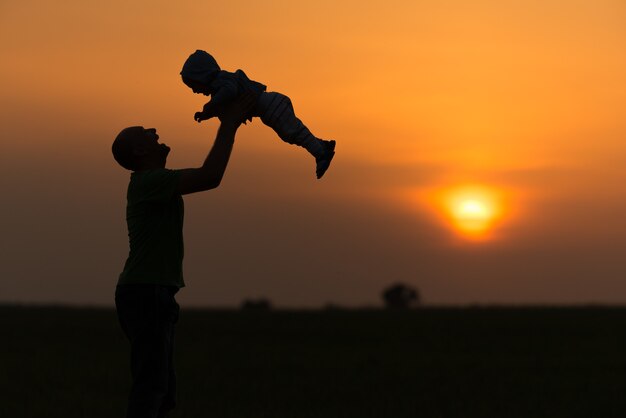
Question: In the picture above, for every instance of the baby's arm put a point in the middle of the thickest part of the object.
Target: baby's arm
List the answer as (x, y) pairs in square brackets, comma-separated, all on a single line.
[(224, 91), (208, 112)]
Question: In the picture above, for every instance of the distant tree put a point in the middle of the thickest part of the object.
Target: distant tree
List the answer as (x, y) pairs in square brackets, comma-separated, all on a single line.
[(400, 296), (256, 305)]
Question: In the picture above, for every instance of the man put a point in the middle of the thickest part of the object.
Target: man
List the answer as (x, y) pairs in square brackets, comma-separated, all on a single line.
[(144, 297)]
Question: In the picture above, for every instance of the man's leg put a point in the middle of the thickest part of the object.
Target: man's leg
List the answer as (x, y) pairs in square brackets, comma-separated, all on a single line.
[(147, 314), (169, 401)]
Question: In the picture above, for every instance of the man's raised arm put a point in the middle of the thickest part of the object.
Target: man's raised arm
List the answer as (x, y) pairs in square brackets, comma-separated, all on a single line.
[(210, 174)]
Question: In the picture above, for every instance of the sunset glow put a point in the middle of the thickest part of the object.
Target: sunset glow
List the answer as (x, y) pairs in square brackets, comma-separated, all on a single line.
[(473, 139), (471, 211)]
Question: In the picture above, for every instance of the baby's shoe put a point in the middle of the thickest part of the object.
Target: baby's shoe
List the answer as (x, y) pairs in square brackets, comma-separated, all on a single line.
[(323, 161)]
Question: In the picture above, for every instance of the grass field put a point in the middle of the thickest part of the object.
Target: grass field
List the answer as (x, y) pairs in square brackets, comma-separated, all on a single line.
[(497, 362)]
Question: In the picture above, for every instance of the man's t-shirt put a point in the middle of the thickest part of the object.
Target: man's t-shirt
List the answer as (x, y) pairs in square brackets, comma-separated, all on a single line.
[(154, 214)]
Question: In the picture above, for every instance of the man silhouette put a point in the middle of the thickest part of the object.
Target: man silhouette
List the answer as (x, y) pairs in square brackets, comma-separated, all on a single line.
[(144, 297)]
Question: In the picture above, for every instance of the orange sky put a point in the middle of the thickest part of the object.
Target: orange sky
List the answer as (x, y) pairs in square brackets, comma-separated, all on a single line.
[(524, 99)]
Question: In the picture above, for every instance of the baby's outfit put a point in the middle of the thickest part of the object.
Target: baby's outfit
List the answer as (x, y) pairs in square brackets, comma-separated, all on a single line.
[(274, 109)]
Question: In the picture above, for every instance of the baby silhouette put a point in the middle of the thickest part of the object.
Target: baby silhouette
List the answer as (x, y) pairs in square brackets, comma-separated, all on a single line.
[(203, 75)]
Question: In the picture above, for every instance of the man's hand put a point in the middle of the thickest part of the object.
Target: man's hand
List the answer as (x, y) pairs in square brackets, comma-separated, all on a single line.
[(236, 112)]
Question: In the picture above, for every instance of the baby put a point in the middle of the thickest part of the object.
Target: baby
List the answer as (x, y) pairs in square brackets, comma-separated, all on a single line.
[(203, 75)]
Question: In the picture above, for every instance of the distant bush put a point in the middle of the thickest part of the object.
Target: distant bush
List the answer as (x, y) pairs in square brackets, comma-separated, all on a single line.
[(400, 296)]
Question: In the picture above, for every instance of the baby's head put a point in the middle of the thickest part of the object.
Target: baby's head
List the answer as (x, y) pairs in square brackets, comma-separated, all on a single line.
[(198, 71)]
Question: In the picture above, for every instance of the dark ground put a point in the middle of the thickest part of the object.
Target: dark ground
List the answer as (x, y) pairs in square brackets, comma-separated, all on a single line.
[(496, 362)]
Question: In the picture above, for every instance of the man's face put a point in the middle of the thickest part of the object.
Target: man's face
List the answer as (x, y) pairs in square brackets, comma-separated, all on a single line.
[(147, 142)]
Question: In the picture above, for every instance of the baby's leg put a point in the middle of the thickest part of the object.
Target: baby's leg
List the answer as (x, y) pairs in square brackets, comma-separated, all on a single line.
[(276, 111)]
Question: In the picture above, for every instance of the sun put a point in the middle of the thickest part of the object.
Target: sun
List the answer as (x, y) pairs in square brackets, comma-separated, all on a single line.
[(472, 215), (471, 210)]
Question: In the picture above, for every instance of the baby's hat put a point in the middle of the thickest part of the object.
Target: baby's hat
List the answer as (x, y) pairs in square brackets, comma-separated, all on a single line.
[(200, 66)]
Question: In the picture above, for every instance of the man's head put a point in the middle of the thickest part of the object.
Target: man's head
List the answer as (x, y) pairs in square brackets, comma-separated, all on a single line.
[(137, 148)]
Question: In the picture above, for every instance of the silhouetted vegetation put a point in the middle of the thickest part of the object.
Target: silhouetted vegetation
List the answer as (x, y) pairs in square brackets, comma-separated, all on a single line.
[(513, 363), (400, 296)]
